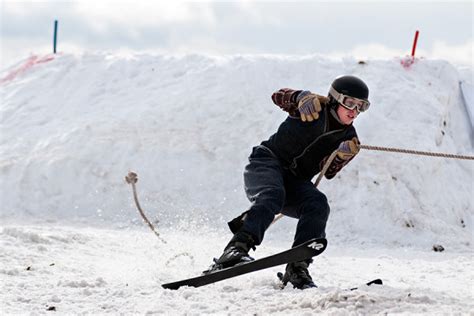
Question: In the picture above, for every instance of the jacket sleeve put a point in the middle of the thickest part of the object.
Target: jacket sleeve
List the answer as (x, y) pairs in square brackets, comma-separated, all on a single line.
[(336, 165), (286, 99)]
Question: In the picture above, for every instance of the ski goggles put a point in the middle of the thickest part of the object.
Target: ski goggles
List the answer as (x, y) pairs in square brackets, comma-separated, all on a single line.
[(349, 102)]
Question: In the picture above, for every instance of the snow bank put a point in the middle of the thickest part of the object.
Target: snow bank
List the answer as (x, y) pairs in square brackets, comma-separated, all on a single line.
[(72, 127)]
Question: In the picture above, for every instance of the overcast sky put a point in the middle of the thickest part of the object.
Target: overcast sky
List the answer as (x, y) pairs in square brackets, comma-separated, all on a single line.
[(364, 29)]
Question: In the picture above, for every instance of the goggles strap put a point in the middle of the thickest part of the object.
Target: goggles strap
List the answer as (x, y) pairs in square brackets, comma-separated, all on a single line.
[(336, 95), (333, 112)]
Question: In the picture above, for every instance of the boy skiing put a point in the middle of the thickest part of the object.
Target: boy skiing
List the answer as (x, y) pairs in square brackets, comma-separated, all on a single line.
[(278, 176)]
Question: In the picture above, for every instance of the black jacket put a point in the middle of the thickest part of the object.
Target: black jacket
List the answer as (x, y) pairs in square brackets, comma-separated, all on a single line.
[(302, 147)]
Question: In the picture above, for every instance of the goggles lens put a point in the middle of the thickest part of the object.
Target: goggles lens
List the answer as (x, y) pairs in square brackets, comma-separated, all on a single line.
[(351, 103)]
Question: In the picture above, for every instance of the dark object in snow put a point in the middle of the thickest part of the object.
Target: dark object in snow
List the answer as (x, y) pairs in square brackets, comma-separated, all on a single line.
[(438, 248), (51, 308), (304, 251), (376, 281), (361, 62), (28, 268), (51, 264)]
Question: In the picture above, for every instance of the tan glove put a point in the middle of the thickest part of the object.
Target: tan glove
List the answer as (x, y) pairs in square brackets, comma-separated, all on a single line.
[(348, 149), (309, 105)]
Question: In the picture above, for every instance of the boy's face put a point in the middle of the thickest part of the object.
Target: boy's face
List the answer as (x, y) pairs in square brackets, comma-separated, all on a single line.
[(346, 116)]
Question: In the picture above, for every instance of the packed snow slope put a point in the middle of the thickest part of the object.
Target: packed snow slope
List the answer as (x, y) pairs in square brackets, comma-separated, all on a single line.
[(73, 126)]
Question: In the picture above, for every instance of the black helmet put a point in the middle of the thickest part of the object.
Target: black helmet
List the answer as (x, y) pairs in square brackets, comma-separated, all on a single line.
[(349, 86)]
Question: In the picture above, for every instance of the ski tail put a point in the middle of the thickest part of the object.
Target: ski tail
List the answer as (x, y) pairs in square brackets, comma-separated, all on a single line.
[(373, 282), (376, 282)]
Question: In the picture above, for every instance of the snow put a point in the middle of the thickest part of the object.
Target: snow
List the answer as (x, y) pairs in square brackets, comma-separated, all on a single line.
[(90, 270), (72, 126), (467, 91)]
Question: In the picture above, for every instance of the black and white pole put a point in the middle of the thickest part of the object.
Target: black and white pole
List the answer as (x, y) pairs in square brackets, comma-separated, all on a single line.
[(55, 35)]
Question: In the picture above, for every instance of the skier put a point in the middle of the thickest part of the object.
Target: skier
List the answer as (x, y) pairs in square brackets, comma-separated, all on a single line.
[(278, 176)]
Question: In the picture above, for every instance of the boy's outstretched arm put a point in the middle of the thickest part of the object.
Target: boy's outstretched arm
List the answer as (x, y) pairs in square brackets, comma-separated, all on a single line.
[(301, 103)]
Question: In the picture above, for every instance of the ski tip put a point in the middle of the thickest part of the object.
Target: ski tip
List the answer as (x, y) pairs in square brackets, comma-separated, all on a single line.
[(376, 281), (318, 244), (170, 286)]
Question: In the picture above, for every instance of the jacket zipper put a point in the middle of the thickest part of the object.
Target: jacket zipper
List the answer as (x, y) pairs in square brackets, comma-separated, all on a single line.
[(294, 164)]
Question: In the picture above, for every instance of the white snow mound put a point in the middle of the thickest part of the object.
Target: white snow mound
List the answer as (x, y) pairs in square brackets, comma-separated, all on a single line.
[(73, 126)]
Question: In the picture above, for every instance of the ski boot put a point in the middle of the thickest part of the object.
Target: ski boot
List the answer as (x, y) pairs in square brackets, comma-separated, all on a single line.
[(297, 274), (236, 252)]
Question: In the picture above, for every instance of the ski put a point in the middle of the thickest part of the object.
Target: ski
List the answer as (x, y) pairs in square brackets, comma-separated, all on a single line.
[(301, 252), (376, 281)]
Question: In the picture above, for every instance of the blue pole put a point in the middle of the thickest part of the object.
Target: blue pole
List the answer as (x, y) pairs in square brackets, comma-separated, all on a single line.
[(55, 35)]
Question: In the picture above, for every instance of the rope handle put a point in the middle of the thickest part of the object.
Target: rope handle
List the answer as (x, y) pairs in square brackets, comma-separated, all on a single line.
[(132, 179)]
